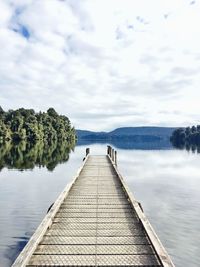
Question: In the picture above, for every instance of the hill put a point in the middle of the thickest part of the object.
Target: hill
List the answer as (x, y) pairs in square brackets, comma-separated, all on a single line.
[(129, 137), (143, 133), (83, 133), (144, 130)]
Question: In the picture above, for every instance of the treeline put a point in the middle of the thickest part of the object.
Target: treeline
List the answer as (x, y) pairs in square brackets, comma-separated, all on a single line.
[(26, 124), (186, 136)]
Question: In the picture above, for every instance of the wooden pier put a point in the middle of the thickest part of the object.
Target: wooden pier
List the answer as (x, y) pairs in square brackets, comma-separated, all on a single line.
[(95, 221)]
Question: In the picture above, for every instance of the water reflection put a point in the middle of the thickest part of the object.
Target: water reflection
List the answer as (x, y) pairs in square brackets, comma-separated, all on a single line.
[(26, 155), (165, 181), (163, 143), (13, 250), (194, 148)]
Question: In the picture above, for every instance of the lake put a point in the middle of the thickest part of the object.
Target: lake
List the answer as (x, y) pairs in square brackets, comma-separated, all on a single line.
[(165, 180)]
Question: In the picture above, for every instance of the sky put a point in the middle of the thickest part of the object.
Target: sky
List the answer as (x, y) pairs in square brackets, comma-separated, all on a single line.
[(103, 63)]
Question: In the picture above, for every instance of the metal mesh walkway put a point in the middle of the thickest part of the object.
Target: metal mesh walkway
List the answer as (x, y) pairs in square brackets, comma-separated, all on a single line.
[(95, 221), (96, 225)]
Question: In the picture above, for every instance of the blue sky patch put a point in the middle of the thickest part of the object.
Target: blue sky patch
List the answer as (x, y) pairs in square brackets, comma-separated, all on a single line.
[(23, 31)]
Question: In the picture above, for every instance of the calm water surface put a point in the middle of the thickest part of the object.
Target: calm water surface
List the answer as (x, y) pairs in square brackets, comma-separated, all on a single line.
[(166, 182)]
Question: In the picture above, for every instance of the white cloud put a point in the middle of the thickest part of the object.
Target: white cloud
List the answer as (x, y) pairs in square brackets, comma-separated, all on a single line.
[(104, 63), (5, 14)]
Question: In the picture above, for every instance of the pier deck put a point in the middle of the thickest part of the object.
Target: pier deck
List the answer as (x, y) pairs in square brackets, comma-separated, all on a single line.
[(95, 222)]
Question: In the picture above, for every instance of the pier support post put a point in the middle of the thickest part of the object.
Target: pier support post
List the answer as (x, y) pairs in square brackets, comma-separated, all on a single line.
[(113, 154), (87, 151), (108, 150), (115, 157)]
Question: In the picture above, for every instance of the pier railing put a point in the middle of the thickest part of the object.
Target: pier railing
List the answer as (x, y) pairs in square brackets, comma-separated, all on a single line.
[(112, 154)]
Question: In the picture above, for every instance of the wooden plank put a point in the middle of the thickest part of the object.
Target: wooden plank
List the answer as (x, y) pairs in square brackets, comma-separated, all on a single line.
[(92, 249)]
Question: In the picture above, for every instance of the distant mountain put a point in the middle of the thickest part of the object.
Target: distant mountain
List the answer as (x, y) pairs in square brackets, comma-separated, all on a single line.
[(129, 137), (83, 133), (136, 133), (145, 130)]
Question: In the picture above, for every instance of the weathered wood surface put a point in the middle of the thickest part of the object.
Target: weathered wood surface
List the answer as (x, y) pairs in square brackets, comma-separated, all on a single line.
[(96, 221)]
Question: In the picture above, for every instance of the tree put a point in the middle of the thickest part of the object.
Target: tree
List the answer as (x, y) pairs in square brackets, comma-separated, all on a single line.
[(1, 111), (193, 129), (5, 133), (51, 112)]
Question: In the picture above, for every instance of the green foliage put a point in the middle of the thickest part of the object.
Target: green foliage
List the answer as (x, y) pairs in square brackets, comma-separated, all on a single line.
[(5, 132), (1, 111), (26, 124), (188, 138)]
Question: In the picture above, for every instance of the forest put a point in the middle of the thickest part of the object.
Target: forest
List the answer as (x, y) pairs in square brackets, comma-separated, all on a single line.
[(30, 126), (188, 137)]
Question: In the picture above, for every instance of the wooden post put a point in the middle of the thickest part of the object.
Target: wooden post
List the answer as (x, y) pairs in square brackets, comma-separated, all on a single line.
[(87, 151), (108, 151), (113, 154), (116, 158)]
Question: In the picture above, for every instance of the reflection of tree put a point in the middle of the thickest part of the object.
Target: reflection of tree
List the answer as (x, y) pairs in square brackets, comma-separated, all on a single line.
[(26, 155), (187, 138), (194, 148), (13, 250)]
